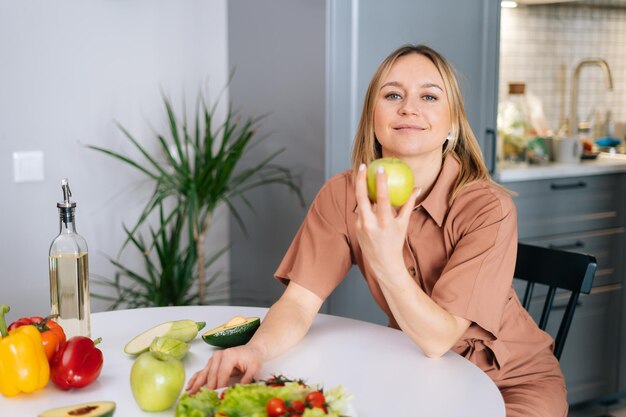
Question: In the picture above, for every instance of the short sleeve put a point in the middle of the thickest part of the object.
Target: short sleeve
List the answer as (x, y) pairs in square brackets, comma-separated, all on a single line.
[(319, 256), (477, 278)]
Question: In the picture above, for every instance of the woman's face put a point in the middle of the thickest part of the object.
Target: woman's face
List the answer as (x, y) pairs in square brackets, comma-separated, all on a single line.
[(411, 111)]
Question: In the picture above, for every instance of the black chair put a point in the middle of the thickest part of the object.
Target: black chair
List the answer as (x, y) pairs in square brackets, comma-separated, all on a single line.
[(557, 269)]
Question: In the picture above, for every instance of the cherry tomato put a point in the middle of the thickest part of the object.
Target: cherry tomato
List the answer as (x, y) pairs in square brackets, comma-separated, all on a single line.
[(275, 407), (275, 382), (315, 399), (296, 407)]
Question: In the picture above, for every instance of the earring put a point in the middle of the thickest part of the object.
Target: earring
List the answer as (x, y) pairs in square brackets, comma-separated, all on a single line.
[(449, 137)]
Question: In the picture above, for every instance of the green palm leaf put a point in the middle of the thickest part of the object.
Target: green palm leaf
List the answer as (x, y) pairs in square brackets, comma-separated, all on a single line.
[(198, 167)]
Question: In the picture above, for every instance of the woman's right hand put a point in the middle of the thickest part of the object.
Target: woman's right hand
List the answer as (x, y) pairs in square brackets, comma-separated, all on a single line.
[(285, 323), (380, 229), (244, 361)]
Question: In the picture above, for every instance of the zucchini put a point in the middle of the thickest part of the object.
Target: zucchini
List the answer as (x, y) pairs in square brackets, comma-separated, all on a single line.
[(183, 330)]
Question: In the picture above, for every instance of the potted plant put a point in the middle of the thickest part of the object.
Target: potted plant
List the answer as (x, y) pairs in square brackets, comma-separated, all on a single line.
[(196, 168)]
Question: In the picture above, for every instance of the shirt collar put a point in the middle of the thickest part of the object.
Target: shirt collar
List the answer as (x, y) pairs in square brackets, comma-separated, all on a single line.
[(436, 202)]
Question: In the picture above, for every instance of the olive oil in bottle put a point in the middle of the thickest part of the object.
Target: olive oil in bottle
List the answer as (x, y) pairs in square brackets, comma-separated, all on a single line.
[(69, 272)]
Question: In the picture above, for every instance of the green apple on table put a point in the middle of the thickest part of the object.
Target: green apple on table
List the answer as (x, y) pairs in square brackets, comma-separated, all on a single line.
[(400, 180), (156, 381)]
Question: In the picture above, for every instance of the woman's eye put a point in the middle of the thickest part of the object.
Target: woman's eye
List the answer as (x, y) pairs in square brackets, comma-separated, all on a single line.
[(393, 96), (428, 97)]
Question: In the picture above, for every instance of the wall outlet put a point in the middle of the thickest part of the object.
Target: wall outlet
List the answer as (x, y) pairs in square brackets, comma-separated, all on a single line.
[(28, 166)]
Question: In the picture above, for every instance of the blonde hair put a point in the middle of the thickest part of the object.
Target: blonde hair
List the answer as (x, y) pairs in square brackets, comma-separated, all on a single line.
[(462, 144)]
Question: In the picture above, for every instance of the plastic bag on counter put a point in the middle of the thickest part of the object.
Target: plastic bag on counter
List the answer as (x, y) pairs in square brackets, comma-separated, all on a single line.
[(538, 151), (520, 121)]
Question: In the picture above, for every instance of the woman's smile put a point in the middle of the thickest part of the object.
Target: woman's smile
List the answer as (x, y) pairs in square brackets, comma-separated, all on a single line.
[(412, 113), (407, 127)]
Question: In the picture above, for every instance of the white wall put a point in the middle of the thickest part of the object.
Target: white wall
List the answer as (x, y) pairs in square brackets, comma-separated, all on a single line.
[(68, 70)]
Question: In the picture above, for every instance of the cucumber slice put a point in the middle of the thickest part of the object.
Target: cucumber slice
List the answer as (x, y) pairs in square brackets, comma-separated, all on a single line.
[(95, 409), (183, 330), (237, 331)]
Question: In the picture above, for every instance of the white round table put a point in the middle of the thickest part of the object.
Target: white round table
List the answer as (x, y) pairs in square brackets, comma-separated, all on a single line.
[(386, 373)]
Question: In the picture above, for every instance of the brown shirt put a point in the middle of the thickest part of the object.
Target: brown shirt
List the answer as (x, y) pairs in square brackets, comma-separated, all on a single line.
[(461, 254)]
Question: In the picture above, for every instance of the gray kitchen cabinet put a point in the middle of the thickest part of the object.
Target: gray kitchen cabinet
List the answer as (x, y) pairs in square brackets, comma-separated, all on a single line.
[(607, 245), (361, 33), (589, 358), (565, 205), (585, 214)]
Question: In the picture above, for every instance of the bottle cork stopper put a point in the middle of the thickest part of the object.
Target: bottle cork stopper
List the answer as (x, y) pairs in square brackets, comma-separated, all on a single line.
[(517, 88)]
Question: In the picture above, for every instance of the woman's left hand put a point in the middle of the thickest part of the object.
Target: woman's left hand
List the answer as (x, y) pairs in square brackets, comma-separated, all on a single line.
[(381, 229)]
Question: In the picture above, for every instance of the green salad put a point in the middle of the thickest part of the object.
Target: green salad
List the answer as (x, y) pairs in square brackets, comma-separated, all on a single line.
[(276, 397)]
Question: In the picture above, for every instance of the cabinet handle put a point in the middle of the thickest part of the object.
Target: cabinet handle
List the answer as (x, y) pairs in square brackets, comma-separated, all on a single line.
[(577, 244), (491, 140), (570, 186)]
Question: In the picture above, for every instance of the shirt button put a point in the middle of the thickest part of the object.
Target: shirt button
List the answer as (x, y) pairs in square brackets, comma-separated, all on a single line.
[(412, 271)]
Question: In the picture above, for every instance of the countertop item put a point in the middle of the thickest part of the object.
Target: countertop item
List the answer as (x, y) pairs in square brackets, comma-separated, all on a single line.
[(608, 141), (380, 366), (605, 163)]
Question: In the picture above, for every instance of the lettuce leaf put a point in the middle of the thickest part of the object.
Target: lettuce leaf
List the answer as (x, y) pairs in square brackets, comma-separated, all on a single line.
[(249, 400), (338, 400), (202, 404)]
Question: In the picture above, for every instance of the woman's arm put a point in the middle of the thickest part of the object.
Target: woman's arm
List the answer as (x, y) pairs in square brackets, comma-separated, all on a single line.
[(429, 325), (381, 233), (286, 322)]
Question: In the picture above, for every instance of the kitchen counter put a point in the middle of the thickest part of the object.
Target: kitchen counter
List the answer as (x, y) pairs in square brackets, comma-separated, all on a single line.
[(604, 164)]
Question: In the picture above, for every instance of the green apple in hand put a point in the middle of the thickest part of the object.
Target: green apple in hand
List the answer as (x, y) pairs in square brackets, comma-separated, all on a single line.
[(156, 381), (399, 180)]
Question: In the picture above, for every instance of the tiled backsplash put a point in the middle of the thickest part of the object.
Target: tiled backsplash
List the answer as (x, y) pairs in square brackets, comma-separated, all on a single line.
[(541, 45)]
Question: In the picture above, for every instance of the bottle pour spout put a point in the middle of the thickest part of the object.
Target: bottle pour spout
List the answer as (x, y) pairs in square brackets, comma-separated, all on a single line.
[(67, 193)]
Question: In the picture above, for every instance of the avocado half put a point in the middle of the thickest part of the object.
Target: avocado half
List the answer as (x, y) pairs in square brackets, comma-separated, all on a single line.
[(237, 331), (95, 409)]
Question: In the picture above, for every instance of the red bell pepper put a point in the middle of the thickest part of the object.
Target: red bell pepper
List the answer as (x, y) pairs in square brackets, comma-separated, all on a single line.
[(52, 334), (77, 363)]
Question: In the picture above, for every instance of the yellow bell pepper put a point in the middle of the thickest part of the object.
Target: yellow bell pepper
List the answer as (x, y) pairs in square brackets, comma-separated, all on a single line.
[(23, 363)]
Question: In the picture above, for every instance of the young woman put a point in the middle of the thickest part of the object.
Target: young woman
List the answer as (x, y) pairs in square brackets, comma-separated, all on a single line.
[(441, 266)]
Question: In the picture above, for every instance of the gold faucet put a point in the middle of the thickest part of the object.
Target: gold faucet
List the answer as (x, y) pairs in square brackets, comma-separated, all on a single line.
[(608, 79)]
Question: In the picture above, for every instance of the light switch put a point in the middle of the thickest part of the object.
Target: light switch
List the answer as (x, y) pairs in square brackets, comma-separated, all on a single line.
[(28, 166)]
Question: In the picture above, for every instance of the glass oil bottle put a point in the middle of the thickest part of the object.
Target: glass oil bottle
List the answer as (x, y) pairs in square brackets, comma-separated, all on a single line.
[(69, 272)]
